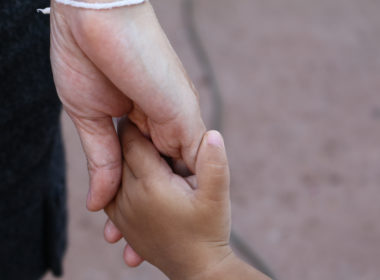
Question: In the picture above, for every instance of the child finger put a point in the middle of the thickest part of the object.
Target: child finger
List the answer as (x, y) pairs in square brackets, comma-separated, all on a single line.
[(141, 156), (111, 233), (131, 258), (212, 167)]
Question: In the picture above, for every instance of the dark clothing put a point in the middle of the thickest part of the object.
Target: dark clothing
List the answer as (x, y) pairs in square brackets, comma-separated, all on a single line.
[(32, 181)]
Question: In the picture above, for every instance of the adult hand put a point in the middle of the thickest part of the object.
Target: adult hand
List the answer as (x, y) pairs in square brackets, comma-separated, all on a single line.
[(116, 62)]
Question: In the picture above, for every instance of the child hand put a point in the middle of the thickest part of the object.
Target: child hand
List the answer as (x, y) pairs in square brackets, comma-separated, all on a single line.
[(180, 225)]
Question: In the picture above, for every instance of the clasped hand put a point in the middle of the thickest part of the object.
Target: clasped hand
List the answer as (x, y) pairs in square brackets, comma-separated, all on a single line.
[(115, 63), (179, 224), (118, 63)]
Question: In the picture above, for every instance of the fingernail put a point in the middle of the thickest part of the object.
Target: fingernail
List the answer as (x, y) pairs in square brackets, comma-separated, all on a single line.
[(214, 138)]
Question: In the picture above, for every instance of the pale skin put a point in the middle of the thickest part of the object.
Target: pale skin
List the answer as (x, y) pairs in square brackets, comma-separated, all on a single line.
[(114, 63), (181, 225), (117, 62)]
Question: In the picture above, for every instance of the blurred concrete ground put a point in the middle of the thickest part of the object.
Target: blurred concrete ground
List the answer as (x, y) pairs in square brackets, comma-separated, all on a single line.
[(301, 86)]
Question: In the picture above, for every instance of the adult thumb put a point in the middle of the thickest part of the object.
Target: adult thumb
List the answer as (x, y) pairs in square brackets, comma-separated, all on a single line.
[(102, 148), (212, 169)]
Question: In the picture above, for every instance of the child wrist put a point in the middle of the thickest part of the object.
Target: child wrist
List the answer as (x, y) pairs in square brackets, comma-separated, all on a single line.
[(212, 268)]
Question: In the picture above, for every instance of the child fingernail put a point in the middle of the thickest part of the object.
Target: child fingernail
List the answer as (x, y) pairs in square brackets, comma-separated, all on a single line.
[(214, 138)]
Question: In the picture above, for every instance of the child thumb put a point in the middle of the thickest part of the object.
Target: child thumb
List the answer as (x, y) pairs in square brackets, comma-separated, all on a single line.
[(212, 169)]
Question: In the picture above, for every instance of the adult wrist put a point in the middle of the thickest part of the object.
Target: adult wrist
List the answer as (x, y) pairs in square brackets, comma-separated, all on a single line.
[(99, 5), (99, 1)]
